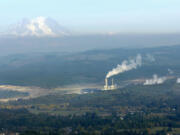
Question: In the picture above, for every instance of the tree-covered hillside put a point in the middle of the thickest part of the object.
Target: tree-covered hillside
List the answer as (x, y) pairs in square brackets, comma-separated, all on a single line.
[(50, 70), (134, 110)]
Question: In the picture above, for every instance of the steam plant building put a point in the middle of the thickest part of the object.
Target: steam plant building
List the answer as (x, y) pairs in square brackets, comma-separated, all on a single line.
[(111, 87)]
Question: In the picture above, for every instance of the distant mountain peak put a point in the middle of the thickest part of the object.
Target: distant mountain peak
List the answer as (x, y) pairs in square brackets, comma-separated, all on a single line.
[(39, 27)]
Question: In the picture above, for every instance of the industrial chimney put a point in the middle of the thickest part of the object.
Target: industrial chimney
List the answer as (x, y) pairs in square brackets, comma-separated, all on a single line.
[(106, 87), (112, 85)]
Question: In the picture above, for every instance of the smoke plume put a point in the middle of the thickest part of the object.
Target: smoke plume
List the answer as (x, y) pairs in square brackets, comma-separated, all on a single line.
[(170, 71), (126, 66), (150, 57), (155, 80), (178, 80)]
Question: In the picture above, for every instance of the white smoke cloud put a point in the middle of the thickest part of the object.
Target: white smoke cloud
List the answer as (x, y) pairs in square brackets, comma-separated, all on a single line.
[(178, 80), (126, 66), (150, 57), (155, 80), (170, 71)]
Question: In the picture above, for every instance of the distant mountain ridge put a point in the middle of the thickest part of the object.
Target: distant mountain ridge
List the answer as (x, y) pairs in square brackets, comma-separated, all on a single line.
[(71, 43), (37, 27), (53, 69)]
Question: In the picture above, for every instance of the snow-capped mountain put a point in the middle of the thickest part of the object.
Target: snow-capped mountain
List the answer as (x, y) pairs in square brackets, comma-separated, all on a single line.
[(39, 27)]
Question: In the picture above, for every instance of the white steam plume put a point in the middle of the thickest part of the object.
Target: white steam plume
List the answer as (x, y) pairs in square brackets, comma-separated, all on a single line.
[(170, 71), (155, 80), (150, 58), (178, 80), (126, 66)]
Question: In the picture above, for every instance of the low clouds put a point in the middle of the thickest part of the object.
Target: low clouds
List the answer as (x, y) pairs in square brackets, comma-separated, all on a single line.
[(178, 80), (33, 91), (155, 80), (150, 57)]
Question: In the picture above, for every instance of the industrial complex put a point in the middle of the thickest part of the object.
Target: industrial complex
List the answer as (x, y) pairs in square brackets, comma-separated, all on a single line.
[(111, 87)]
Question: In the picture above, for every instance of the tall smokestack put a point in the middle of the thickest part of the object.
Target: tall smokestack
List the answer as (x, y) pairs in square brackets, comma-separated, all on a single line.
[(112, 81), (106, 82), (112, 85), (106, 87)]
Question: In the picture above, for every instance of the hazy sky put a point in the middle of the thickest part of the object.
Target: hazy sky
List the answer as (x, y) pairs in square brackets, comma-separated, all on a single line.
[(123, 16)]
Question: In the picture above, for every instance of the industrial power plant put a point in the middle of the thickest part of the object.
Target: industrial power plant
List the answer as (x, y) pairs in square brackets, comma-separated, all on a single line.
[(125, 66), (111, 87)]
